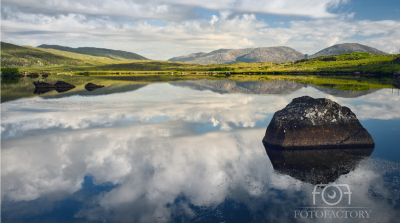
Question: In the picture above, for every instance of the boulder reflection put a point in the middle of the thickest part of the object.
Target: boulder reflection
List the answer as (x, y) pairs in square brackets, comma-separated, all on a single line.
[(317, 166)]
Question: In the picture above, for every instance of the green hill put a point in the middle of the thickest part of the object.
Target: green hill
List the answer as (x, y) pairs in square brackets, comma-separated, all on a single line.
[(18, 56), (88, 59), (99, 52), (34, 59)]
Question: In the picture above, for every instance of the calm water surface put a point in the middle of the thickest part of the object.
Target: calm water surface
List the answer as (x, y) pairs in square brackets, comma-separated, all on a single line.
[(190, 152)]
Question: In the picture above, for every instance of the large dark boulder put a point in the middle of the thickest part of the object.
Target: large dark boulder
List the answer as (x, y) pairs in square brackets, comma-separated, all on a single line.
[(316, 123), (92, 87)]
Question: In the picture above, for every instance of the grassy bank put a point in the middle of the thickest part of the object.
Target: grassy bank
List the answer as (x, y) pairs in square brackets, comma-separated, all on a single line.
[(32, 59)]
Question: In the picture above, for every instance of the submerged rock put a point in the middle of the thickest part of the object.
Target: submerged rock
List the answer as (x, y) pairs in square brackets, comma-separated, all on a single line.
[(316, 123), (92, 87)]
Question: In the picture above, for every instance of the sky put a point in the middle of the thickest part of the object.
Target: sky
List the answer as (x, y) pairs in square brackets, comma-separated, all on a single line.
[(160, 29)]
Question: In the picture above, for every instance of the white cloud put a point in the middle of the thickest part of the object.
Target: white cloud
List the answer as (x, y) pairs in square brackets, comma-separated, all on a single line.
[(204, 34), (163, 29), (177, 9)]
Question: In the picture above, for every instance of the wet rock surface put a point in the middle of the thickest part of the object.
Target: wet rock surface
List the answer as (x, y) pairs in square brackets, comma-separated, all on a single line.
[(92, 87), (316, 123)]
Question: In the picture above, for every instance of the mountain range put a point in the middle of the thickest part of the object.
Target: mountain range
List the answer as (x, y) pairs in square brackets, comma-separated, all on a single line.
[(278, 54), (99, 52)]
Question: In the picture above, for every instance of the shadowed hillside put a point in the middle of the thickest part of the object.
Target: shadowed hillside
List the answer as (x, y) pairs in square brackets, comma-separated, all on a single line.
[(99, 52), (18, 56)]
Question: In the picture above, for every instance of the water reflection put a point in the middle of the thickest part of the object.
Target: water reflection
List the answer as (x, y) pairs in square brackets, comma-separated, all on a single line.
[(40, 91), (271, 87), (249, 87), (317, 166), (162, 153), (10, 80), (343, 93)]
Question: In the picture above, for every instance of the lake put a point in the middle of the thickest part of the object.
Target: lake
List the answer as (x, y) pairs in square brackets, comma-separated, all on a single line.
[(189, 151)]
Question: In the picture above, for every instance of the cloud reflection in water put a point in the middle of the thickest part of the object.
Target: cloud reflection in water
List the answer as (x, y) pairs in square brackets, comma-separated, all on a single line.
[(164, 169)]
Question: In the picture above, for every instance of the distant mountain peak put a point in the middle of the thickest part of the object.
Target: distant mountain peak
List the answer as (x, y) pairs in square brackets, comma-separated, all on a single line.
[(347, 48), (277, 54)]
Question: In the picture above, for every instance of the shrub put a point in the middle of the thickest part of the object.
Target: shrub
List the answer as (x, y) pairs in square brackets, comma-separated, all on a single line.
[(329, 59), (222, 69), (8, 71), (302, 60)]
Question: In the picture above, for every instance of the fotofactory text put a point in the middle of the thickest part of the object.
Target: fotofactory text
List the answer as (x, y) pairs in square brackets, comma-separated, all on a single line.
[(326, 198)]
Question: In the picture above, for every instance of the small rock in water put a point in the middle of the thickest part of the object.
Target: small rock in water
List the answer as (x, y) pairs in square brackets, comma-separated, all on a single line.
[(316, 123), (41, 84), (62, 84), (92, 87)]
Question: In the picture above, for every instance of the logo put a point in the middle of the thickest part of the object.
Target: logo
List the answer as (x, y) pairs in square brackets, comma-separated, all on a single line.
[(326, 197), (332, 194)]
